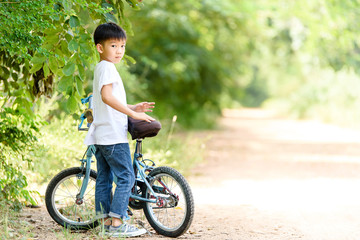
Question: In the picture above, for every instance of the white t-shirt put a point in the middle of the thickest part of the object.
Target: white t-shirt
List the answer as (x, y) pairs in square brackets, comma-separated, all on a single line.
[(109, 126)]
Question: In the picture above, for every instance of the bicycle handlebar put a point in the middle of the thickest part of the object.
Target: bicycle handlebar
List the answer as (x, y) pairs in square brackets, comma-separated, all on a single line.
[(82, 117)]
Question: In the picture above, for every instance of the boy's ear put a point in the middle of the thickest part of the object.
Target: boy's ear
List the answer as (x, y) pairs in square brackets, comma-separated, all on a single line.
[(99, 48)]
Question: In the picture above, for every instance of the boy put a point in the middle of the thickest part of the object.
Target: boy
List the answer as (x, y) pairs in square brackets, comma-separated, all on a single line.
[(108, 132)]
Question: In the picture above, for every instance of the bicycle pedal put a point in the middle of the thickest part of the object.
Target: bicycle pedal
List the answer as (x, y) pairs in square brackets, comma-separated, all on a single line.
[(89, 115)]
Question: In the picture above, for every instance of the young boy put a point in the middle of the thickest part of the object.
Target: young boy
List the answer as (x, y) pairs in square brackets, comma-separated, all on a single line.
[(108, 132)]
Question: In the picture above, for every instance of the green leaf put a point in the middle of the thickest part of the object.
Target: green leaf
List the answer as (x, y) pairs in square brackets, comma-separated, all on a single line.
[(36, 67), (18, 93), (67, 5), (16, 67), (6, 72), (68, 37), (130, 59), (84, 48), (14, 76), (52, 39), (64, 48), (14, 85), (85, 37), (60, 61), (70, 90), (134, 4), (65, 82), (38, 60), (51, 31), (81, 70), (110, 18), (107, 6), (48, 46), (72, 104), (79, 86), (53, 64), (73, 45), (46, 70), (74, 22), (69, 69), (25, 70), (84, 16), (84, 61)]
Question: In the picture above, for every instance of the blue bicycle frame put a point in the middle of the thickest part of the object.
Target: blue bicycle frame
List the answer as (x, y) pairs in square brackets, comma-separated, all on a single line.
[(140, 167)]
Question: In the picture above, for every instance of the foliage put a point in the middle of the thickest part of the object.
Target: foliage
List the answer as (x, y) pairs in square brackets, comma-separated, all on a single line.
[(53, 46), (302, 57), (43, 44), (17, 142), (193, 42), (186, 58), (193, 57), (61, 147)]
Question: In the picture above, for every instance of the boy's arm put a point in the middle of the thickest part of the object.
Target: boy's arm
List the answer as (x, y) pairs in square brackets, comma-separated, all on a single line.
[(108, 98)]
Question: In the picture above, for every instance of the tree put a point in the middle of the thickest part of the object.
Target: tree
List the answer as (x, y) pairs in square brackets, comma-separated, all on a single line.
[(300, 50), (49, 43), (187, 56), (43, 44)]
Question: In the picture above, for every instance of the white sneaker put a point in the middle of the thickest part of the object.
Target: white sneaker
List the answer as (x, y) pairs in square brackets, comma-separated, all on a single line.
[(125, 230)]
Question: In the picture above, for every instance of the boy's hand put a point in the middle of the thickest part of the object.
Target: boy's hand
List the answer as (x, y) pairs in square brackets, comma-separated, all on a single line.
[(142, 116), (144, 107)]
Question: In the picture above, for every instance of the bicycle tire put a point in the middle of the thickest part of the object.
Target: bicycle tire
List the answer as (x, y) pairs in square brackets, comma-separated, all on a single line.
[(62, 209), (174, 217)]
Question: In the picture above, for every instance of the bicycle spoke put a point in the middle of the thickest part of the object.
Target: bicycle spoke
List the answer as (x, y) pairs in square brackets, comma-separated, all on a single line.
[(171, 214), (90, 190), (68, 191), (76, 186), (64, 196), (65, 201)]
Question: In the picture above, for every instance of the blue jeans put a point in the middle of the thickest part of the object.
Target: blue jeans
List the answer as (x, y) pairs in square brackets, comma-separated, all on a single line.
[(113, 160)]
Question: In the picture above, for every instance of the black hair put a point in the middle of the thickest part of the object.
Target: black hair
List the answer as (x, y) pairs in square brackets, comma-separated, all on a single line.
[(108, 31)]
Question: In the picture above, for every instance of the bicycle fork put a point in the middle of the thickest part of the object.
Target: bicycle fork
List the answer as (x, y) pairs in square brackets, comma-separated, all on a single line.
[(85, 164)]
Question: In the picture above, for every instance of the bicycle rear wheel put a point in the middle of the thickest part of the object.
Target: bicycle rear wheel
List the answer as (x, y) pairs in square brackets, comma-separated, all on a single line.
[(172, 215), (60, 199)]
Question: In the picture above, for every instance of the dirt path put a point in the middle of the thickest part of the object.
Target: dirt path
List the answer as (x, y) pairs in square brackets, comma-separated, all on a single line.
[(269, 178)]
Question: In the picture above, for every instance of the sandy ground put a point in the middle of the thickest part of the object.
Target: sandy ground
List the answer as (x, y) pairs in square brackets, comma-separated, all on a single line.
[(266, 178)]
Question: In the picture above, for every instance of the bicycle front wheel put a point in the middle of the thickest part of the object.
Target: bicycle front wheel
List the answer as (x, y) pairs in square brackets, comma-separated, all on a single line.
[(173, 212), (60, 199)]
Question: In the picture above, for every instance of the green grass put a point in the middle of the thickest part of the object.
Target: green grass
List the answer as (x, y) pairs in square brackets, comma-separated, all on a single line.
[(12, 226)]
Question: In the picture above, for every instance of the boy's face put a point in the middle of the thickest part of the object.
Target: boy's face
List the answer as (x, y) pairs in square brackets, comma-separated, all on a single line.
[(112, 50)]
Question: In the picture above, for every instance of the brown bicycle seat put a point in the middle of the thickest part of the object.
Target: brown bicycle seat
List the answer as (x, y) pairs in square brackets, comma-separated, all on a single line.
[(143, 129)]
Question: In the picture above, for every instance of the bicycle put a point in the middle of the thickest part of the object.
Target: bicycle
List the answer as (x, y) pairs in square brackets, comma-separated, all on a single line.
[(161, 192)]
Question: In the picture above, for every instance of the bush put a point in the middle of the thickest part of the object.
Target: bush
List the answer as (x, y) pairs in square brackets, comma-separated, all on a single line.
[(17, 143)]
